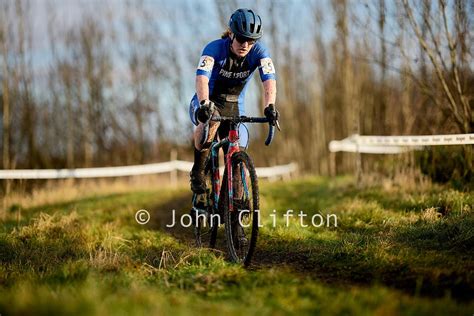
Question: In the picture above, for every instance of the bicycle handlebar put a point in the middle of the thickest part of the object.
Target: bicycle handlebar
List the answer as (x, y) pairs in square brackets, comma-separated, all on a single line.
[(241, 119), (271, 133)]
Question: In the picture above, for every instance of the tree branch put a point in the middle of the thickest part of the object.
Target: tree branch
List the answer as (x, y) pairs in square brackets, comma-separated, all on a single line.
[(447, 91), (454, 65)]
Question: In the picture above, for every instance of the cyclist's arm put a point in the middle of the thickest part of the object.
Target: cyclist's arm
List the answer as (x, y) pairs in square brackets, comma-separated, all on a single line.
[(202, 87), (204, 71), (269, 87), (267, 74)]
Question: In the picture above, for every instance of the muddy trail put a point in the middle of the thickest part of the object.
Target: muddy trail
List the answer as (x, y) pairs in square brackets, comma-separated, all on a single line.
[(164, 214), (315, 262)]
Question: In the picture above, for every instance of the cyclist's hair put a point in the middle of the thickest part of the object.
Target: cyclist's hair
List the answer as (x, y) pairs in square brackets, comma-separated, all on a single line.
[(226, 33)]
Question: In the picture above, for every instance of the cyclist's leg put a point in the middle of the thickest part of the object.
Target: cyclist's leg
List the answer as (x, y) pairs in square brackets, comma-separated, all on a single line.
[(198, 183)]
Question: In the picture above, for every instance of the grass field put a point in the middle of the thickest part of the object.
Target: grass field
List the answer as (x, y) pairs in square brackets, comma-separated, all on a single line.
[(394, 251)]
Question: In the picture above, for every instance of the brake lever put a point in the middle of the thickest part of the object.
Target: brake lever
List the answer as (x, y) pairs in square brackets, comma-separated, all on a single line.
[(278, 125)]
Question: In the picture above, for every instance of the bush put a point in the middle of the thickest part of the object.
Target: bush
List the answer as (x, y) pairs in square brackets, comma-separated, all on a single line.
[(448, 164)]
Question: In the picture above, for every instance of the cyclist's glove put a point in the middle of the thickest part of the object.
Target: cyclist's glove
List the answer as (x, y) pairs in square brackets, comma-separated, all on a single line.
[(203, 113), (271, 113)]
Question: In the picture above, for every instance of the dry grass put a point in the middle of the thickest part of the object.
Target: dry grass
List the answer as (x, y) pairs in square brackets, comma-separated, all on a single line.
[(58, 191), (405, 180)]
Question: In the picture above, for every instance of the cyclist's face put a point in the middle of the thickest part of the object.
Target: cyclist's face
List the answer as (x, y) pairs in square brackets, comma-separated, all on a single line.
[(241, 46)]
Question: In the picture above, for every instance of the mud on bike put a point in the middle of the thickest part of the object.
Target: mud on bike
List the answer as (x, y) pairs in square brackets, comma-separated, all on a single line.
[(235, 199)]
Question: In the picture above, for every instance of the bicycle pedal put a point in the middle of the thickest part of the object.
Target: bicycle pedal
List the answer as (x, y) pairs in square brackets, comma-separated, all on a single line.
[(200, 198)]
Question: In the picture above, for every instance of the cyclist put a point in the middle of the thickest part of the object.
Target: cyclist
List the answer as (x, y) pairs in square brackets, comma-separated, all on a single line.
[(224, 70)]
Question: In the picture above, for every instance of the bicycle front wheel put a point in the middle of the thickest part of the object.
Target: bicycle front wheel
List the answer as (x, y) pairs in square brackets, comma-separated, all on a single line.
[(241, 224)]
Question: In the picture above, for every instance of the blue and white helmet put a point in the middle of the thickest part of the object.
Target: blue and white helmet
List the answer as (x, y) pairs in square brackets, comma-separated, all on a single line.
[(246, 23)]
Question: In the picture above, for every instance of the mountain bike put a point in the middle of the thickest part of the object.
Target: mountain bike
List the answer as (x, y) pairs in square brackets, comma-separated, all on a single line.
[(236, 200)]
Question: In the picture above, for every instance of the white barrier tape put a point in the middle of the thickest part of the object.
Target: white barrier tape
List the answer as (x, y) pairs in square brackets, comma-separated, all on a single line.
[(276, 171), (272, 172), (155, 168), (396, 144), (336, 146), (425, 140), (88, 172)]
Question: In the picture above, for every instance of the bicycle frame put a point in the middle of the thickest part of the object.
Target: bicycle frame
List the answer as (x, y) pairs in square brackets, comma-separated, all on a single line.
[(232, 140), (233, 146)]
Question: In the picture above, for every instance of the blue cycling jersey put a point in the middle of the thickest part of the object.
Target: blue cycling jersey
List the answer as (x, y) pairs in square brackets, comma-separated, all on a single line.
[(229, 75)]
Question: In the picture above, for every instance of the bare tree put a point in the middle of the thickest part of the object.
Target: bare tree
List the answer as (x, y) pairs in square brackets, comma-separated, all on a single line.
[(4, 27), (449, 76), (140, 63), (225, 8), (95, 63)]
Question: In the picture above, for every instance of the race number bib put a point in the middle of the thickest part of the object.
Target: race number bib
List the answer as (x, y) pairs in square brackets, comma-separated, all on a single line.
[(267, 66), (206, 63)]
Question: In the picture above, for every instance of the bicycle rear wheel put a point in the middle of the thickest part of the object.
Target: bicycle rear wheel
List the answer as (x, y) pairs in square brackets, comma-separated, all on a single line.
[(241, 225)]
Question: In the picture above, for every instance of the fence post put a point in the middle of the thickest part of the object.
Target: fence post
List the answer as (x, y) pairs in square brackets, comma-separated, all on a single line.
[(358, 162), (174, 172)]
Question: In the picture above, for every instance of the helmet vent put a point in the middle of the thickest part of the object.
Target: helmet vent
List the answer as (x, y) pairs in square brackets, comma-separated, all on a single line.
[(258, 29)]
